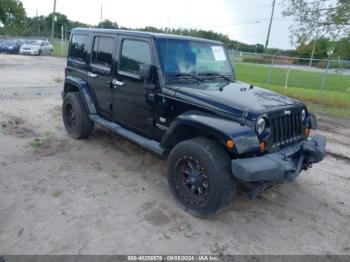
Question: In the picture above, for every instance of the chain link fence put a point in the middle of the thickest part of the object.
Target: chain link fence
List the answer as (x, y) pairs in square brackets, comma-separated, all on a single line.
[(292, 72), (14, 37), (322, 83)]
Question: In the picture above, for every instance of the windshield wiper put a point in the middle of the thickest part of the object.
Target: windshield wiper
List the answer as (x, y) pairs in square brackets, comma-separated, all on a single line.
[(187, 75), (217, 74)]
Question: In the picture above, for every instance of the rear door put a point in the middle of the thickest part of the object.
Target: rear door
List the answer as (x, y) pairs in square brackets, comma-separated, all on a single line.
[(78, 56), (100, 74), (132, 104)]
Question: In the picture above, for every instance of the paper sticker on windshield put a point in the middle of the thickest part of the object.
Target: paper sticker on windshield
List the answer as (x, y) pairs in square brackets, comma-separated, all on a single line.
[(219, 53)]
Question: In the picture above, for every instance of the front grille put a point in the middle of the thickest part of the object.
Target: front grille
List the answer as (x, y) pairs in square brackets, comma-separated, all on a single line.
[(286, 129)]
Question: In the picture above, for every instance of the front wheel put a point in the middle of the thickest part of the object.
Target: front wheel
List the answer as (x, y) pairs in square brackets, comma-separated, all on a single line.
[(199, 176), (75, 118)]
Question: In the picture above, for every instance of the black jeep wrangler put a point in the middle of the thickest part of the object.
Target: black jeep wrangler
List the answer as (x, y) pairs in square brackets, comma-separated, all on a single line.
[(178, 97)]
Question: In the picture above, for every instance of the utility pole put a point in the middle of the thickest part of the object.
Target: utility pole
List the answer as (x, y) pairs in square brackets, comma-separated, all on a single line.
[(313, 51), (37, 21), (315, 42), (101, 14), (268, 32), (53, 20)]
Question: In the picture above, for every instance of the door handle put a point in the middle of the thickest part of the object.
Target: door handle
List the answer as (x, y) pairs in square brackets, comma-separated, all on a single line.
[(116, 83), (92, 75)]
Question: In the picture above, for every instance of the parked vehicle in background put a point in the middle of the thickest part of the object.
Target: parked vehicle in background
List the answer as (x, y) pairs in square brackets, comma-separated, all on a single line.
[(10, 46), (36, 47)]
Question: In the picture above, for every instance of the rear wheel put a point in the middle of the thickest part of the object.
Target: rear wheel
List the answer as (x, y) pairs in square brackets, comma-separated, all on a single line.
[(199, 176), (75, 117)]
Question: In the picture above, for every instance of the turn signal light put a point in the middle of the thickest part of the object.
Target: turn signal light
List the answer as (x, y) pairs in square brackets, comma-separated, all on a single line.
[(230, 144), (262, 146), (306, 132)]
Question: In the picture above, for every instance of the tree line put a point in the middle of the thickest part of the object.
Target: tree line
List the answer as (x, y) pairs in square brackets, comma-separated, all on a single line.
[(309, 36), (40, 26)]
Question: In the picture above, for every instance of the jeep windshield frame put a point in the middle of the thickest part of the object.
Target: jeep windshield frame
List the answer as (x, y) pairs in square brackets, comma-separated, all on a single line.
[(193, 61)]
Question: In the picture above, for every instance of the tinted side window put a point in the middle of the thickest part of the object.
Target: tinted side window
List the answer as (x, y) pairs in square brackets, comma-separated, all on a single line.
[(134, 54), (103, 51), (78, 47)]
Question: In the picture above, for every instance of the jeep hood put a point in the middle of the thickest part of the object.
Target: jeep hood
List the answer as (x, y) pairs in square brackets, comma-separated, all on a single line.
[(235, 98)]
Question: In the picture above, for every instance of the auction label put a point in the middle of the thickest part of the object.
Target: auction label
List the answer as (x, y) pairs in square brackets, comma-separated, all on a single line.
[(173, 258)]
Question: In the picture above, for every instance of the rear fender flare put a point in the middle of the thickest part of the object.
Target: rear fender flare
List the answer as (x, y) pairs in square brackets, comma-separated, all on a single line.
[(83, 87)]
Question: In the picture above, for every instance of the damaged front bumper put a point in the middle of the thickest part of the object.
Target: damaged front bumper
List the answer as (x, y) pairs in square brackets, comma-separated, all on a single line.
[(284, 165)]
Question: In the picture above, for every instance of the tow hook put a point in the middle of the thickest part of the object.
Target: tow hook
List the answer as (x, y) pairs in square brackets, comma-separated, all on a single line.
[(307, 166), (258, 190)]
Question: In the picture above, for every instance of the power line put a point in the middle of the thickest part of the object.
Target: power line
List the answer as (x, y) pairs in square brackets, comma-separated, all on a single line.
[(244, 22), (233, 9)]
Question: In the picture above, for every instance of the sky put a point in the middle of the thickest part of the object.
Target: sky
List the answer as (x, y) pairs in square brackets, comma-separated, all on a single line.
[(246, 21)]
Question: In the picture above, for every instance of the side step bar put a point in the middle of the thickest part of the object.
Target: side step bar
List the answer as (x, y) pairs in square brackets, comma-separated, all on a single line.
[(149, 144)]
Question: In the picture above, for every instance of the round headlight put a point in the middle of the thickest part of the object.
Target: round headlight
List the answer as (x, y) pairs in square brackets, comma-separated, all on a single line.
[(303, 115), (260, 125)]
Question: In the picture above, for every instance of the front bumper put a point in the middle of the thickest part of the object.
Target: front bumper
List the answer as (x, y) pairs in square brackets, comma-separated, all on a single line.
[(29, 52), (8, 51), (283, 165)]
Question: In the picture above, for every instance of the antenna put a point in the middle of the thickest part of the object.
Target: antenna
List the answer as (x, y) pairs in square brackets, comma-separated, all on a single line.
[(166, 57), (166, 48)]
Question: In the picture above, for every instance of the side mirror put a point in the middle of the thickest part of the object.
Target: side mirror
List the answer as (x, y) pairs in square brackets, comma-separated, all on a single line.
[(147, 73)]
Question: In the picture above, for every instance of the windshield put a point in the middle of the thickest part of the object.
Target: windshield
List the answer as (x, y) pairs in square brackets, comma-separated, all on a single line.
[(193, 60), (9, 43), (33, 42)]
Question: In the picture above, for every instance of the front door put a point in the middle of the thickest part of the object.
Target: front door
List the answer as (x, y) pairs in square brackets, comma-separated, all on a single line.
[(132, 104), (100, 74)]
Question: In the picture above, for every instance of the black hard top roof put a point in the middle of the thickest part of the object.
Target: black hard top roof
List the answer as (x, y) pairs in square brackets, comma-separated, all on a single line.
[(141, 34)]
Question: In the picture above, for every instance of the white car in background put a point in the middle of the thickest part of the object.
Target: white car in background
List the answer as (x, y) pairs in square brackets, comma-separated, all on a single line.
[(36, 47)]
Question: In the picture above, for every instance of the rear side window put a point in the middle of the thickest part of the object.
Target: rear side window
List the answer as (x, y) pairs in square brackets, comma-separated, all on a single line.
[(134, 54), (103, 51), (79, 47)]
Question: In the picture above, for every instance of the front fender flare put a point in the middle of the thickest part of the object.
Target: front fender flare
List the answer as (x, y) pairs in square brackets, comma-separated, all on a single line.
[(84, 90), (244, 137), (313, 121)]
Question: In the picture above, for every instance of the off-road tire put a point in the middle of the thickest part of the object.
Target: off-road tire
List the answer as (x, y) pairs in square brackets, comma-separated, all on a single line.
[(216, 163), (83, 126)]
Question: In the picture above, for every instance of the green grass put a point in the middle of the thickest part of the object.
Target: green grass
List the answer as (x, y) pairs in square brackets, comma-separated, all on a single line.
[(333, 99), (56, 194), (258, 74), (97, 166), (36, 143), (113, 173), (57, 48)]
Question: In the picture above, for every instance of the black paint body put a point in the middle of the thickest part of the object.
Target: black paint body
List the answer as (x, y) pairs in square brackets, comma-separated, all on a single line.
[(170, 113)]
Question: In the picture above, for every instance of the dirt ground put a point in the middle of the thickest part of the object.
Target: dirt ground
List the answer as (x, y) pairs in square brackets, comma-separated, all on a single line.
[(105, 195)]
